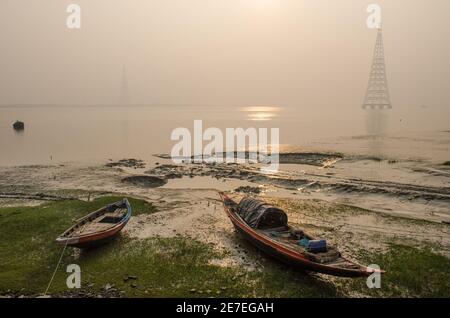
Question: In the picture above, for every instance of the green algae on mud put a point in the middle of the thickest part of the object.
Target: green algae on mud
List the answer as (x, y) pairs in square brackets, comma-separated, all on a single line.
[(180, 266), (27, 241), (160, 267), (410, 272)]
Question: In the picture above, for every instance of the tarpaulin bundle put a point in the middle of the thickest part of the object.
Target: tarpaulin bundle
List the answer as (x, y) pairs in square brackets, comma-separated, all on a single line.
[(259, 214)]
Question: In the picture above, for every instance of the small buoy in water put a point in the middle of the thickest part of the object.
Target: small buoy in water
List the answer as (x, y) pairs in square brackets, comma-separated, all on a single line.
[(18, 125)]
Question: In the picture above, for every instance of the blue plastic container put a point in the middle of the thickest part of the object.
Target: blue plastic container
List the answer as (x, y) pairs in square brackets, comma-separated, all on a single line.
[(317, 246)]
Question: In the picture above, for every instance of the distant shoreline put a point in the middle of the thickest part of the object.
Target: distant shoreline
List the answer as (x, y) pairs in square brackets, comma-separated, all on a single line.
[(116, 105)]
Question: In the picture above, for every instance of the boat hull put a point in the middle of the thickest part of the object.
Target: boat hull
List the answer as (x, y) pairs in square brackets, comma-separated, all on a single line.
[(94, 240)]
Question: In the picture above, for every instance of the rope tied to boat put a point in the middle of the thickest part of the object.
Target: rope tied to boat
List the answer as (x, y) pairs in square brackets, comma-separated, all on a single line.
[(56, 269)]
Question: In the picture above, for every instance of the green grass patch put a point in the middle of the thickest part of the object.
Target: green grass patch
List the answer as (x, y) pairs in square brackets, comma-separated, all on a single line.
[(27, 240), (179, 267), (410, 272), (164, 267)]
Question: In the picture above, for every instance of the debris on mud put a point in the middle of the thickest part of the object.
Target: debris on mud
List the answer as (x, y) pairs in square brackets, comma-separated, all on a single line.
[(145, 181), (224, 171), (314, 159), (305, 158), (34, 196), (248, 190), (128, 163)]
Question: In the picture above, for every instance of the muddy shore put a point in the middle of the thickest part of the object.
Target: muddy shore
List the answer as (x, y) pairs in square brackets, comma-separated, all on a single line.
[(195, 212)]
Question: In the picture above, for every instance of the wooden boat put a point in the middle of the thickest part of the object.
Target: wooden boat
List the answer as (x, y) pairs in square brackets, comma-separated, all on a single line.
[(268, 230), (97, 227)]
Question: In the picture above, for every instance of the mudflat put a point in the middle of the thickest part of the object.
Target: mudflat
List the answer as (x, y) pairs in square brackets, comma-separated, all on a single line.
[(174, 226)]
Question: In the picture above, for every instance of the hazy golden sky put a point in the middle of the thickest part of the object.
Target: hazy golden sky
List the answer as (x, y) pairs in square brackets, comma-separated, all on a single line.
[(310, 54)]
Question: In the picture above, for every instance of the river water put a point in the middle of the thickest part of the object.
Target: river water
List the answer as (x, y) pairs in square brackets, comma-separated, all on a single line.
[(62, 133)]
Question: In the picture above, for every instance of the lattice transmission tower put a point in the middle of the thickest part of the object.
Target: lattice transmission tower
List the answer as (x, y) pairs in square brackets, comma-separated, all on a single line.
[(377, 95)]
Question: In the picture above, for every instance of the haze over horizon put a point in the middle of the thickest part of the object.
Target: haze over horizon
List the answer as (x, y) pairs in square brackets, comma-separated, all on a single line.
[(311, 56)]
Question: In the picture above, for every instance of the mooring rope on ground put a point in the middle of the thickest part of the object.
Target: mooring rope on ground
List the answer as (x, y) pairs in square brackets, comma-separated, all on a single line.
[(56, 269)]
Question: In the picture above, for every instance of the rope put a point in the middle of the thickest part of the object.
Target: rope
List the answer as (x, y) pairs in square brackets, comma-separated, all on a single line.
[(54, 273)]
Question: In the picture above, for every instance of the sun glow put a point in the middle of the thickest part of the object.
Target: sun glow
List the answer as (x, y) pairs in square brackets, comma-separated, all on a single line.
[(261, 113)]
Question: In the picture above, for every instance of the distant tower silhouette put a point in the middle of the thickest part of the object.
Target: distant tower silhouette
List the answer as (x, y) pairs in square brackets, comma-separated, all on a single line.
[(377, 95), (124, 98)]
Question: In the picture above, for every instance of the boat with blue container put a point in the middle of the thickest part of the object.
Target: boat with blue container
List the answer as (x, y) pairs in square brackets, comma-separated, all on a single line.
[(267, 228)]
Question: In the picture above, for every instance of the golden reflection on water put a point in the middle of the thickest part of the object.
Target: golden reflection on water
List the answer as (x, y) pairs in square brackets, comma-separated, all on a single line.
[(261, 113)]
